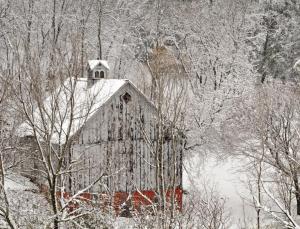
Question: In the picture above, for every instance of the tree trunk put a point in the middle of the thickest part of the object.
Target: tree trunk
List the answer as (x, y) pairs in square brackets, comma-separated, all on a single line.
[(99, 27), (298, 202), (53, 202), (297, 192)]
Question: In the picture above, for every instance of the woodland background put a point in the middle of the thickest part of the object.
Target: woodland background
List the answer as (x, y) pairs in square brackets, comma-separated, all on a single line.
[(233, 61)]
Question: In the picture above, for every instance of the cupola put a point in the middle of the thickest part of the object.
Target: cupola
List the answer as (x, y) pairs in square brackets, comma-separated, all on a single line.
[(97, 69)]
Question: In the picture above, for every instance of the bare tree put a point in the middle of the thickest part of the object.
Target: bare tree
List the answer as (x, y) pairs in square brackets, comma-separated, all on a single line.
[(268, 137), (6, 141), (51, 121)]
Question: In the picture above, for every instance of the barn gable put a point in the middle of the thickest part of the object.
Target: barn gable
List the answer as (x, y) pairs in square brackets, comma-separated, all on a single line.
[(127, 93)]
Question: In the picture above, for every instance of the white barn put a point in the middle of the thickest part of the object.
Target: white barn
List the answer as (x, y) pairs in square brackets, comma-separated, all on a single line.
[(110, 138)]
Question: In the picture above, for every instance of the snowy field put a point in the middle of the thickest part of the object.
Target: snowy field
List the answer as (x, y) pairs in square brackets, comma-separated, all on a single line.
[(226, 180)]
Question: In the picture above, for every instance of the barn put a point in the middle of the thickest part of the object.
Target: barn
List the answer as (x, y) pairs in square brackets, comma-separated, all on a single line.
[(114, 136)]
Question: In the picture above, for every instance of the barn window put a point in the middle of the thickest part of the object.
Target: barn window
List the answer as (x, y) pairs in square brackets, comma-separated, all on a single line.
[(97, 75), (102, 74), (126, 97)]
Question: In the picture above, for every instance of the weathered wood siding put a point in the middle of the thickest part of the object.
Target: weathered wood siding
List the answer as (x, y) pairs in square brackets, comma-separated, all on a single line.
[(112, 142)]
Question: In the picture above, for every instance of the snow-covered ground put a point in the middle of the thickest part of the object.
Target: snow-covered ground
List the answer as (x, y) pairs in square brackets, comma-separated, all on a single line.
[(27, 205), (223, 175), (226, 179)]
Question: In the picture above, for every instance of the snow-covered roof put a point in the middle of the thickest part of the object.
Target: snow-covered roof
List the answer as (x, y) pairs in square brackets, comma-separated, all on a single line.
[(94, 63), (87, 100), (18, 183)]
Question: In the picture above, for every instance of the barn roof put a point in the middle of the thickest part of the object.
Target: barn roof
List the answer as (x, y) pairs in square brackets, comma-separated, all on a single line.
[(87, 100), (93, 63)]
